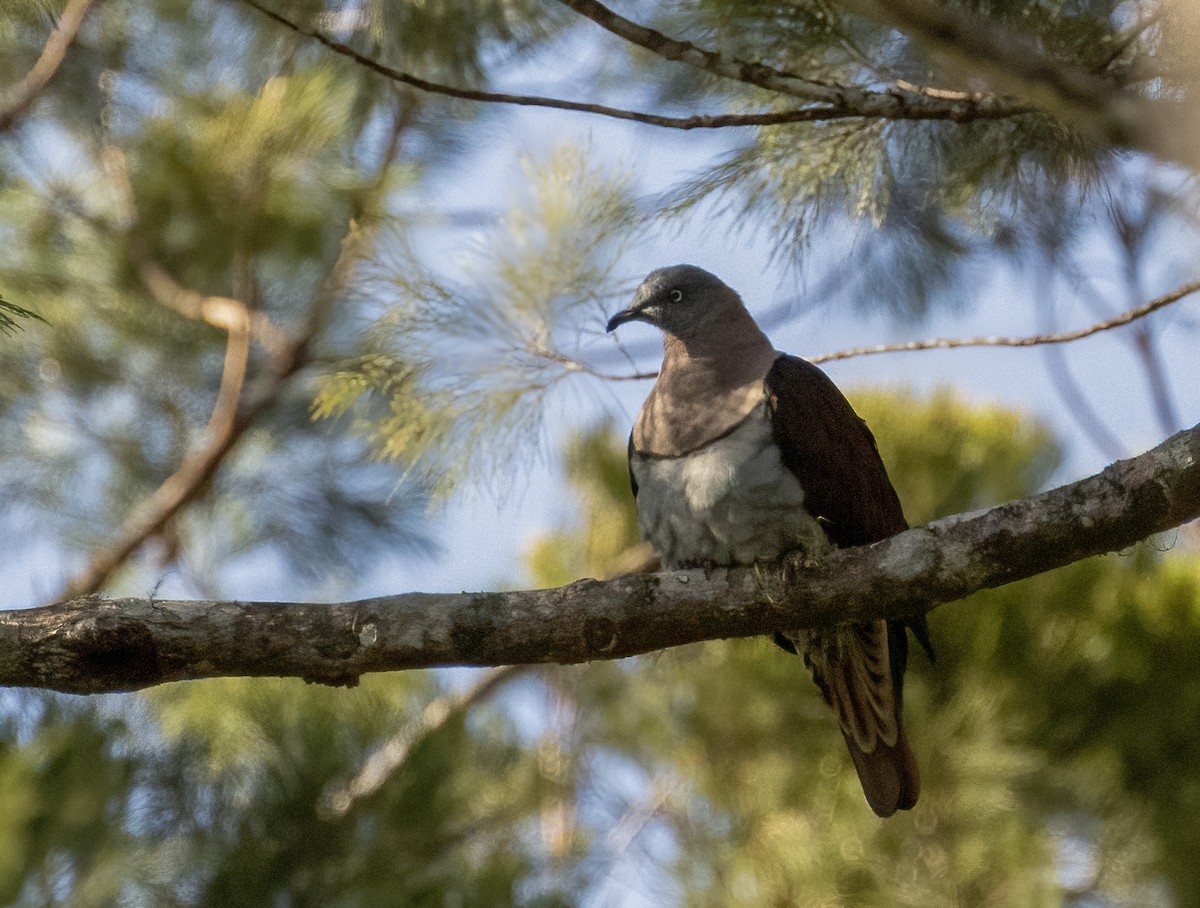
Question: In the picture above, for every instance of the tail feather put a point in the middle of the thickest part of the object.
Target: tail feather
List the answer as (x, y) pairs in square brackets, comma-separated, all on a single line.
[(888, 775), (860, 671)]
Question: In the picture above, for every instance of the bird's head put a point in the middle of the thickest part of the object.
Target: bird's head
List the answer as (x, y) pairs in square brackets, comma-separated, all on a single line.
[(684, 301)]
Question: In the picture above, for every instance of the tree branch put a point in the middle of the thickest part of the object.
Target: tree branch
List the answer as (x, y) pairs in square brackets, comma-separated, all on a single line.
[(1013, 55), (90, 646), (223, 312), (902, 102), (1076, 404), (340, 796), (23, 95), (1033, 340), (1156, 380), (1095, 103)]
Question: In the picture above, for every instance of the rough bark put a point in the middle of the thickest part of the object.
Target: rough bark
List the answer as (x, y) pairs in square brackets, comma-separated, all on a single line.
[(90, 645)]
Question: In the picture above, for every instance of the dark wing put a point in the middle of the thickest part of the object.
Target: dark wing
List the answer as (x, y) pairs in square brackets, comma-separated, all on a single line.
[(859, 668), (833, 454)]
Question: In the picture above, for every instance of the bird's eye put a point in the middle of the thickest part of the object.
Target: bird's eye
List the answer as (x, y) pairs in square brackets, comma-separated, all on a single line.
[(677, 295)]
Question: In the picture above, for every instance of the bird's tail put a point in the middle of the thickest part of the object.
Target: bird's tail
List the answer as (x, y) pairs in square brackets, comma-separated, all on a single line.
[(860, 670)]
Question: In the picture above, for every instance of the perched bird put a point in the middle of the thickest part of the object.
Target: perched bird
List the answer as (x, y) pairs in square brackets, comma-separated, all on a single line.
[(742, 454)]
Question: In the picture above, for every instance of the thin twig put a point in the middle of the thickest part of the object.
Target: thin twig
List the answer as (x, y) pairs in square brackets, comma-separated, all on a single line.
[(1127, 40), (639, 814), (895, 104), (1131, 230), (1117, 321), (570, 364), (23, 95), (233, 379), (339, 797)]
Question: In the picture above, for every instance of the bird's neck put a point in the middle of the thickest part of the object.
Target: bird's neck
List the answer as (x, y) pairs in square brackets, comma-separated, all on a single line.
[(703, 391)]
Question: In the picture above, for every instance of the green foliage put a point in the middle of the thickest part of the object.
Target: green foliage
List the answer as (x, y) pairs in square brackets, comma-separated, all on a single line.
[(236, 159), (65, 806), (265, 754), (957, 456), (927, 202), (9, 312), (215, 794)]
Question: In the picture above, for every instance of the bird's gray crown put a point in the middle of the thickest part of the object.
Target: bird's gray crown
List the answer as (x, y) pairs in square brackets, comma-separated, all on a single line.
[(685, 278)]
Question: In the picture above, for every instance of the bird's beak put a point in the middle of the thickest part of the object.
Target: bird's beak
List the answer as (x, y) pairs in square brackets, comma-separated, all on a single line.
[(642, 310), (625, 315)]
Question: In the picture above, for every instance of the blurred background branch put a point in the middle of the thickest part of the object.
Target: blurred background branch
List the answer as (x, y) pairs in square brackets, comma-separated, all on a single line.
[(18, 99), (232, 416)]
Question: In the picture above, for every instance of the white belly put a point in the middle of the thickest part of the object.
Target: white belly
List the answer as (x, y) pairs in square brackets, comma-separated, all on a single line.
[(731, 502)]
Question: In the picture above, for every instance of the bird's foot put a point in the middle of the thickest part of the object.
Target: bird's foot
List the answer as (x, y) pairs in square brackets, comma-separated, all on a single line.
[(796, 563), (709, 567)]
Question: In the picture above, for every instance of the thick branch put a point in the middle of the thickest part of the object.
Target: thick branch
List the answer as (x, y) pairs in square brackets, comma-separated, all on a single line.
[(1093, 102), (89, 646), (904, 102)]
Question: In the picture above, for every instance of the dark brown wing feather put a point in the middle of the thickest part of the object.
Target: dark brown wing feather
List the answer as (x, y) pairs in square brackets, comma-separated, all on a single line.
[(833, 454), (859, 667)]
